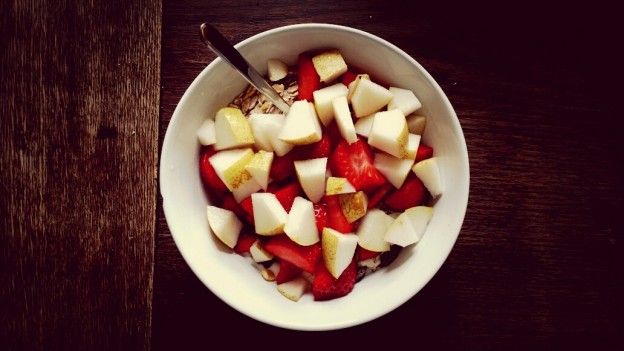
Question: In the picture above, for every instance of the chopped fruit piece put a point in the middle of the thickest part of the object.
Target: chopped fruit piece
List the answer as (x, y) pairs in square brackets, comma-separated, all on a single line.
[(307, 79), (304, 257), (424, 152), (245, 240), (355, 162), (323, 101), (364, 124), (362, 254), (338, 250), (416, 124), (294, 289), (208, 174), (287, 272), (335, 218), (334, 134), (326, 287), (301, 227), (394, 169), (389, 133), (302, 127), (409, 227), (353, 205), (320, 216), (269, 215), (277, 69), (369, 97), (230, 166), (329, 65), (338, 185), (347, 78), (247, 207), (403, 100), (379, 195), (413, 141), (354, 84), (224, 224), (258, 254), (229, 203), (206, 133), (372, 230), (411, 194), (282, 168), (266, 129), (343, 119), (267, 274), (429, 172), (321, 148), (311, 174), (232, 129), (259, 167), (286, 195)]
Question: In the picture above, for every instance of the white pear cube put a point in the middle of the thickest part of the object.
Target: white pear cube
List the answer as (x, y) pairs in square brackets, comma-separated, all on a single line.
[(403, 100), (393, 168), (416, 124), (338, 185), (277, 69), (246, 188), (232, 129), (372, 230), (363, 125), (258, 254), (338, 250), (413, 141), (230, 166), (311, 175), (353, 205), (302, 126), (369, 97), (409, 227), (259, 167), (206, 132), (329, 65), (224, 224), (323, 101), (429, 173), (269, 215), (294, 289), (301, 224), (389, 133), (353, 85), (259, 123), (344, 120)]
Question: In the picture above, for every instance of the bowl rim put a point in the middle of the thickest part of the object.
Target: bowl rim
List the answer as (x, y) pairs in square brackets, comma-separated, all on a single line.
[(347, 322)]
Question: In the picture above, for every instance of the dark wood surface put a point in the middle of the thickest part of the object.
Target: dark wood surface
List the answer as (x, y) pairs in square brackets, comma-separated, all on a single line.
[(78, 140)]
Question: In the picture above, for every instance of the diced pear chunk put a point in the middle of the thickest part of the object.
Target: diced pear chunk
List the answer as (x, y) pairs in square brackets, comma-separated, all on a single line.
[(363, 125), (206, 132), (259, 167), (277, 69), (232, 129), (302, 126), (294, 289), (338, 185), (323, 101), (393, 168), (369, 97), (404, 100), (389, 133), (338, 250), (258, 254), (372, 230), (301, 224), (329, 65), (409, 227), (416, 124), (224, 224), (343, 119), (354, 205), (311, 175), (429, 173), (413, 141), (269, 215)]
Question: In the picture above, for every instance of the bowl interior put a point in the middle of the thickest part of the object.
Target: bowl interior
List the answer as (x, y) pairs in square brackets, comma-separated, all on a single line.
[(234, 279)]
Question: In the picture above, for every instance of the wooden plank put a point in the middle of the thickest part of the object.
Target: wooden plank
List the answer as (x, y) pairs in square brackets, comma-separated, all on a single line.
[(79, 127)]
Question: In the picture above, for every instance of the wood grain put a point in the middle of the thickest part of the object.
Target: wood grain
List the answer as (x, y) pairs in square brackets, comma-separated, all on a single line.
[(538, 263), (79, 112)]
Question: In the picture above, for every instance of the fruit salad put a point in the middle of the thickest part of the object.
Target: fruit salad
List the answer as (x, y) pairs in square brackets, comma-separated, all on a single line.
[(331, 191)]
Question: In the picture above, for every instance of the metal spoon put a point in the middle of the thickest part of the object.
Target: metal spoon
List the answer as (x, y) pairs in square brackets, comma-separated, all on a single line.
[(222, 47)]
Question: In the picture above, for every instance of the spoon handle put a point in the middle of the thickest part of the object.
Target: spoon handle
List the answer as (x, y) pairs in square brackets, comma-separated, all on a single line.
[(222, 47)]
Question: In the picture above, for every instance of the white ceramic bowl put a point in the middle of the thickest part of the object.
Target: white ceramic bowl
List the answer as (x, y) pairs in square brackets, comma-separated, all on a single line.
[(231, 277)]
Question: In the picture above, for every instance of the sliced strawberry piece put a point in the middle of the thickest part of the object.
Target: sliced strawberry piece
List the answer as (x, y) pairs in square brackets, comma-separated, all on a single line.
[(287, 272), (362, 254), (229, 203), (321, 148), (333, 133), (326, 287), (282, 167), (355, 162), (247, 208), (320, 215), (286, 195), (304, 257), (335, 218), (245, 240), (348, 77), (208, 174), (411, 193), (307, 78), (379, 194), (423, 152)]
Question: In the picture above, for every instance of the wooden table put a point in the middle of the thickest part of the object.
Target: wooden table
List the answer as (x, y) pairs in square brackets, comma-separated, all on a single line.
[(88, 262)]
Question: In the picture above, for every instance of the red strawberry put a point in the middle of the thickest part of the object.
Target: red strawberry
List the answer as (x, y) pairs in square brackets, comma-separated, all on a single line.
[(348, 77), (307, 79), (245, 240), (335, 218), (362, 254), (321, 148), (304, 257), (287, 194), (411, 193), (287, 272), (333, 133), (355, 162), (379, 195), (320, 215), (326, 287), (229, 203), (247, 208), (282, 167), (208, 174), (424, 152)]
